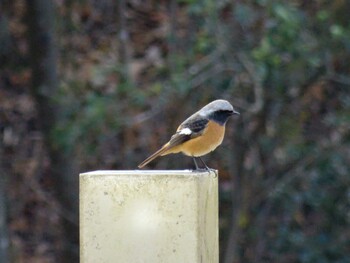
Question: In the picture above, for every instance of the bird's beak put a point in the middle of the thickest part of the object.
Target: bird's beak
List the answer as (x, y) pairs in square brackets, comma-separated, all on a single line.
[(235, 112)]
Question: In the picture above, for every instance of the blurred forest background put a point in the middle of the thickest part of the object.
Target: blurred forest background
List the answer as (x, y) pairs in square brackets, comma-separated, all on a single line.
[(100, 84)]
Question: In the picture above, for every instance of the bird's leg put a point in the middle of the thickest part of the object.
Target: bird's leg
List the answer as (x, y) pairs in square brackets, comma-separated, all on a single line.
[(195, 162), (203, 163), (208, 169)]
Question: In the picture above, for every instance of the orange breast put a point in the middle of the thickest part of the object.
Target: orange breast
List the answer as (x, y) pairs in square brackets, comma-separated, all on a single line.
[(210, 139)]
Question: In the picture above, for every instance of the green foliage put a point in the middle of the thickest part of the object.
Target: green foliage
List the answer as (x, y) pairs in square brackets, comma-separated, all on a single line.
[(298, 49), (91, 115), (322, 192)]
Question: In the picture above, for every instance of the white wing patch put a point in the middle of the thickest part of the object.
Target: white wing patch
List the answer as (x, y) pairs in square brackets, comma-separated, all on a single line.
[(186, 131)]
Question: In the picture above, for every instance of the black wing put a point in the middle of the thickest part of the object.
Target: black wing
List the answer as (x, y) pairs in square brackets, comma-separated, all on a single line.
[(196, 124)]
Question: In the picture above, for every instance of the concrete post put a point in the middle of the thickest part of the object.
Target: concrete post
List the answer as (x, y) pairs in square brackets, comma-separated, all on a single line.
[(149, 217)]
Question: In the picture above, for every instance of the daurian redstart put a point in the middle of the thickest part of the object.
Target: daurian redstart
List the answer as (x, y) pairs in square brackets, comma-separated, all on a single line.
[(199, 134)]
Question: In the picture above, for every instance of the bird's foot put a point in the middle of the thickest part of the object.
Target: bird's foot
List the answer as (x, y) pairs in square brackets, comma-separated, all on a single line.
[(207, 169), (213, 170)]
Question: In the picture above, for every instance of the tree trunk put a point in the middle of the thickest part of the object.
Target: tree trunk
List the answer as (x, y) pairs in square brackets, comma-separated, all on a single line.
[(231, 253), (4, 238), (41, 17)]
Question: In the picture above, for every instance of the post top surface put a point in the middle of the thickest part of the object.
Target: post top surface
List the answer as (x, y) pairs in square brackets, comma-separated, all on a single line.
[(148, 173)]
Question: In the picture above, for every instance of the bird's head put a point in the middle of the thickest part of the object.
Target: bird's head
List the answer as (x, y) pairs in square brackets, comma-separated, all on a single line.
[(219, 111)]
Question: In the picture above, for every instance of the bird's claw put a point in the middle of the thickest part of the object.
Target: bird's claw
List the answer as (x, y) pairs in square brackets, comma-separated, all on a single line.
[(207, 169)]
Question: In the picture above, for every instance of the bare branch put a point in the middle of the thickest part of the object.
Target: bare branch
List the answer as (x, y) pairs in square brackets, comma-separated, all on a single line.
[(257, 83)]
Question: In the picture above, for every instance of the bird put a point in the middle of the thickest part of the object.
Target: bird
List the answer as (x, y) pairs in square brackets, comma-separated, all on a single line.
[(199, 134)]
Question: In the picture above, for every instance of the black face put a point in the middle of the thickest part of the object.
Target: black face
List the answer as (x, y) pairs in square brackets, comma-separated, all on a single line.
[(221, 116)]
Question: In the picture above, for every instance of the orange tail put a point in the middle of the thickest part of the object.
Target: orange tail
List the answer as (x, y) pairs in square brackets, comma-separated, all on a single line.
[(161, 151)]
